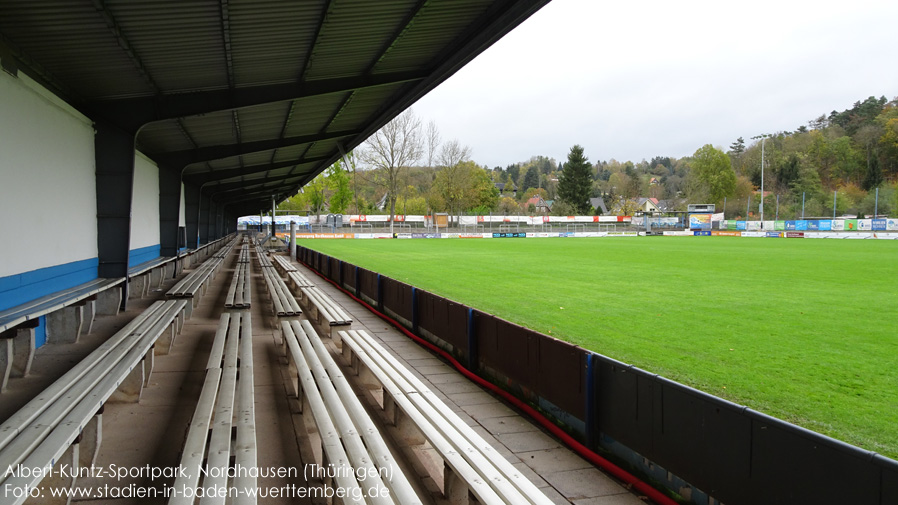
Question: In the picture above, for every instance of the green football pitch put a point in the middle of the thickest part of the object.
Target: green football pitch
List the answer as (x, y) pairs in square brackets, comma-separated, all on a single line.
[(804, 330)]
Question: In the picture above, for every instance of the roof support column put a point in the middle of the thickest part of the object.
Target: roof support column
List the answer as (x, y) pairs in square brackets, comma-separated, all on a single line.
[(114, 154), (219, 221), (169, 210), (192, 214), (205, 210)]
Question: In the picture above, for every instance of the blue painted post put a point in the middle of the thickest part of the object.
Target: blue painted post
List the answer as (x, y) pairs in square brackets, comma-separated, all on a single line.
[(473, 359), (380, 294), (591, 432), (341, 274), (414, 310), (356, 281)]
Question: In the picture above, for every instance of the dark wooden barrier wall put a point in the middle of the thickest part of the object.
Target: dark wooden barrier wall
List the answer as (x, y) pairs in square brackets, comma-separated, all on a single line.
[(733, 453)]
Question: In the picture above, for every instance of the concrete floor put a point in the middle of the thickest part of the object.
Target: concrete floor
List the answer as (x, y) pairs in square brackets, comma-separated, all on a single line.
[(150, 434)]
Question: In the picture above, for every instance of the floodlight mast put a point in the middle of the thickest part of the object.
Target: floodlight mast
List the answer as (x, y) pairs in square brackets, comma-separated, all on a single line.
[(763, 137)]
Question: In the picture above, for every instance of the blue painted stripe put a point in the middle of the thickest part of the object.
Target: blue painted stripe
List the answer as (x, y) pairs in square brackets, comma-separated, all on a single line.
[(144, 254), (24, 287)]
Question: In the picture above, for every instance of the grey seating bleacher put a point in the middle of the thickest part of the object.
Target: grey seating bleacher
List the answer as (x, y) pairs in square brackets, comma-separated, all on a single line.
[(225, 406), (298, 281), (470, 464), (63, 424), (239, 293), (349, 439), (328, 314), (264, 260), (283, 301), (149, 275), (282, 263), (69, 314), (195, 283)]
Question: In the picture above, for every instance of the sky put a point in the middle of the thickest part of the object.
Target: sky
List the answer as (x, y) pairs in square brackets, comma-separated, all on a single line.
[(634, 79)]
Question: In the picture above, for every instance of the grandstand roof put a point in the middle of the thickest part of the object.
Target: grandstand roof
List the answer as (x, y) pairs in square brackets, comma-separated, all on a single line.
[(248, 98)]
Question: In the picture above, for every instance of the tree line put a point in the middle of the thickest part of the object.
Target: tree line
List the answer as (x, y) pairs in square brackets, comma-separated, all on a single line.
[(406, 168)]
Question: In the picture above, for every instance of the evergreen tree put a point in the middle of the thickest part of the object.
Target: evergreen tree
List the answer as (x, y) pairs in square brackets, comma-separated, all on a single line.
[(531, 179), (738, 147), (575, 183)]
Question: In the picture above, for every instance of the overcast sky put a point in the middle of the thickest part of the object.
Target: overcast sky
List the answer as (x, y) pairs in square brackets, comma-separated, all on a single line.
[(635, 79)]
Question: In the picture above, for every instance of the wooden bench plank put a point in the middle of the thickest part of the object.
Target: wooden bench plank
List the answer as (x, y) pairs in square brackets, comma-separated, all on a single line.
[(195, 446), (331, 445), (220, 441), (412, 394), (298, 280), (399, 485), (245, 416), (352, 439), (282, 263), (87, 371), (285, 303), (33, 309), (51, 427), (328, 310), (454, 457), (238, 296)]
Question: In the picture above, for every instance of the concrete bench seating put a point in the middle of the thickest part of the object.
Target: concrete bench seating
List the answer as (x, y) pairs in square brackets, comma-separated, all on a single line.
[(63, 424), (243, 255), (199, 255), (224, 250), (194, 284), (225, 409), (282, 263), (349, 438), (150, 274), (327, 313), (239, 293), (264, 260), (298, 281), (69, 314), (470, 465), (283, 301)]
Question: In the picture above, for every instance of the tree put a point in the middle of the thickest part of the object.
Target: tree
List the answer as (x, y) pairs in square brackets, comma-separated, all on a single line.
[(508, 205), (338, 183), (514, 173), (713, 170), (464, 187), (531, 179), (315, 192), (391, 150), (452, 181), (432, 142), (575, 182), (452, 153), (738, 147)]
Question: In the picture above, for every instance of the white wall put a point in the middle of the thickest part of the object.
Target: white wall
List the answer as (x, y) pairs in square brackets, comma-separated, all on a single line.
[(48, 203), (145, 203)]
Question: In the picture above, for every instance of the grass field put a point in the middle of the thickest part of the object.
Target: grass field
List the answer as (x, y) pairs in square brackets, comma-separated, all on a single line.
[(805, 330)]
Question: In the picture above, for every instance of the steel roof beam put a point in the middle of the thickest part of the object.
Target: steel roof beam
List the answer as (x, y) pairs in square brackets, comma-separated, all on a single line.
[(251, 184), (261, 196), (203, 154), (230, 173), (124, 43), (132, 113)]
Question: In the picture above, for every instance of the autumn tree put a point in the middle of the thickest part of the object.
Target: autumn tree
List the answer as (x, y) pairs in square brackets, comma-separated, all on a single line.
[(338, 181), (575, 182), (466, 186), (391, 150), (712, 169)]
